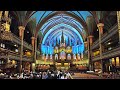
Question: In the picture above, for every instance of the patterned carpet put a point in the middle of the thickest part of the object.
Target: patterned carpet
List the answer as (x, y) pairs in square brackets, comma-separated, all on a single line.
[(85, 76)]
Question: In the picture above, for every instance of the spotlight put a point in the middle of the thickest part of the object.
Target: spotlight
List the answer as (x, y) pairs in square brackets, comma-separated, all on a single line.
[(109, 43), (15, 45)]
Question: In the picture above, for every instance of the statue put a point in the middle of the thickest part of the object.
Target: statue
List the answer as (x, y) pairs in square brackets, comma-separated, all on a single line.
[(6, 26)]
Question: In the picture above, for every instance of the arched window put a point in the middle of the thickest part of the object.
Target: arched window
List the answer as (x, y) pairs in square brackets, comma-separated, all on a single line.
[(56, 56), (78, 56), (51, 56), (56, 49), (69, 57), (74, 56), (63, 55), (47, 56)]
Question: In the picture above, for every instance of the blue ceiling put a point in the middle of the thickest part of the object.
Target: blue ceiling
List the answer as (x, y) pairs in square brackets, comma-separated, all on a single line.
[(40, 15), (52, 28)]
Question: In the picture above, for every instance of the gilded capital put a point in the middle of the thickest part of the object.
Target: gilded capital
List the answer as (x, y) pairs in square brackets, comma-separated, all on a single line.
[(85, 42), (90, 36), (21, 28), (100, 25), (32, 38)]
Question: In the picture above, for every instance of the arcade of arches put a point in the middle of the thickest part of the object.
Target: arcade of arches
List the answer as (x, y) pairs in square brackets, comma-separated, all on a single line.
[(77, 41)]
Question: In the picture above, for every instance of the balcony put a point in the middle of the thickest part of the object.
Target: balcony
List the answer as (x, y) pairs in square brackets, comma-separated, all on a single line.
[(109, 54), (113, 30), (17, 40), (13, 55), (16, 57)]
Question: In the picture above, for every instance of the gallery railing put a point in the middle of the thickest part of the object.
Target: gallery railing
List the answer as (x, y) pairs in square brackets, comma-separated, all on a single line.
[(18, 41), (113, 30), (108, 54), (16, 57), (8, 54)]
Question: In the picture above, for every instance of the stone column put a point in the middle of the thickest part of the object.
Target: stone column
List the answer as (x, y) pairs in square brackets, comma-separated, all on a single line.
[(91, 39), (100, 28), (118, 20), (35, 56), (90, 50), (88, 46), (33, 45), (21, 34), (85, 43)]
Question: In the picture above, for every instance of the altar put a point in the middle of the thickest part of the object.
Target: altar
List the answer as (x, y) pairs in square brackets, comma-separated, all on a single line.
[(62, 66)]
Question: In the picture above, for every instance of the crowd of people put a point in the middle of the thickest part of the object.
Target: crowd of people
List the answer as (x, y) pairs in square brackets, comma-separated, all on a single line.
[(56, 74)]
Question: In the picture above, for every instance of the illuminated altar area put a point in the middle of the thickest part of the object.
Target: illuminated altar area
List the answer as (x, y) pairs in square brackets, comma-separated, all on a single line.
[(62, 44)]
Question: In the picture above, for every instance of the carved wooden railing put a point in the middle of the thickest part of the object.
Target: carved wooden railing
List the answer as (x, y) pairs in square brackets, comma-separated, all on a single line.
[(25, 44), (4, 35), (13, 55), (16, 57), (18, 41), (109, 54), (113, 30)]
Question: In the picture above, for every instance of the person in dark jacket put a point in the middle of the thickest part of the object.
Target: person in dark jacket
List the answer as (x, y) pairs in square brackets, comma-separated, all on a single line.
[(114, 68), (111, 68)]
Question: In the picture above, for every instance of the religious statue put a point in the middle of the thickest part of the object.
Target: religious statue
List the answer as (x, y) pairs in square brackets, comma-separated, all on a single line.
[(6, 26)]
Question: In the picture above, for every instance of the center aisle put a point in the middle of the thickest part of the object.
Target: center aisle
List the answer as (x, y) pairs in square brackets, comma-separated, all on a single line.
[(84, 76)]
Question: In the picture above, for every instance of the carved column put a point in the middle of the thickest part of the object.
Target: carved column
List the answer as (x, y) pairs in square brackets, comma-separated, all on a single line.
[(33, 44), (118, 20), (35, 56), (33, 51), (100, 28), (88, 46), (90, 51), (21, 34), (91, 39)]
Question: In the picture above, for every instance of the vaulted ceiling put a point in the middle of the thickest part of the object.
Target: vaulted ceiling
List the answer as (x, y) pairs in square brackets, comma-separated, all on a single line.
[(38, 23)]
